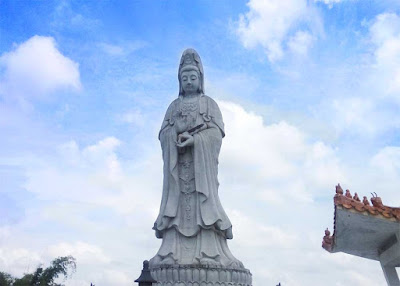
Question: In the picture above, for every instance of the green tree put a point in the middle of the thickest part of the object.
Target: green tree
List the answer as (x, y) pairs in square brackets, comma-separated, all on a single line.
[(24, 281), (60, 266), (6, 279)]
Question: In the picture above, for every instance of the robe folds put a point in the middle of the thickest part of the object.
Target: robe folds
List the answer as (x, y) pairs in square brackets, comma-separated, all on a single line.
[(193, 225)]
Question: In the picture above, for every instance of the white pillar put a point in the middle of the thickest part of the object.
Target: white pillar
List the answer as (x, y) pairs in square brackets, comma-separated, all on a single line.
[(389, 259), (391, 276)]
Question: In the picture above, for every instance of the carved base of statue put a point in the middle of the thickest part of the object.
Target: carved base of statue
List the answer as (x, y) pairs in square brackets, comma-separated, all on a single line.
[(189, 275), (203, 259)]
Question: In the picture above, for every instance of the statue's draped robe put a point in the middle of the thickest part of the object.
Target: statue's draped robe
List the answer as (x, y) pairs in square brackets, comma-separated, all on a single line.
[(193, 225)]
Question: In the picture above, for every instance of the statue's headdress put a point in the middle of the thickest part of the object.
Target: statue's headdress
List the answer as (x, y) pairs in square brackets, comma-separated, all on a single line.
[(190, 60)]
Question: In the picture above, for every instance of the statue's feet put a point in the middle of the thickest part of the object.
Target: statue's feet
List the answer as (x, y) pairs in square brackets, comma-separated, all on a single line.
[(236, 264), (168, 261), (155, 261), (207, 261)]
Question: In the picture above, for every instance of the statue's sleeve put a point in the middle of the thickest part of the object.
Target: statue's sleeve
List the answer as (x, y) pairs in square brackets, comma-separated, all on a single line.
[(207, 145), (168, 118), (212, 113), (170, 196)]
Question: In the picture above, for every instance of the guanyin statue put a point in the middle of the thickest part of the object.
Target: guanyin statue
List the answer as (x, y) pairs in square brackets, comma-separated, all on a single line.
[(192, 223)]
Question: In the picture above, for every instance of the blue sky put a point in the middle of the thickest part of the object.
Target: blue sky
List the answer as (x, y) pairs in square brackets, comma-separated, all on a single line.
[(309, 91)]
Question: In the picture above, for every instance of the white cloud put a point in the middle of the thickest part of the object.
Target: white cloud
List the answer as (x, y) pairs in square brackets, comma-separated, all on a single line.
[(36, 68), (330, 2), (117, 277), (271, 24), (122, 49), (300, 42), (367, 99), (92, 264), (276, 161), (65, 18), (253, 234), (385, 37), (82, 174), (113, 50), (81, 251), (94, 174), (385, 175), (388, 160), (357, 114), (134, 117), (17, 261)]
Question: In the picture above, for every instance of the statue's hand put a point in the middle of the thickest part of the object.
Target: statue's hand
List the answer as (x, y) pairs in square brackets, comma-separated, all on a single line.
[(182, 137), (185, 139)]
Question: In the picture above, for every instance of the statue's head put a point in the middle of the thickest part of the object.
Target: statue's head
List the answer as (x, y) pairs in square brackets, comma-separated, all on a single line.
[(190, 65)]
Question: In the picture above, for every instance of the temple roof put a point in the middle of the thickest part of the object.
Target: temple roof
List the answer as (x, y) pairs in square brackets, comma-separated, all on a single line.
[(360, 228)]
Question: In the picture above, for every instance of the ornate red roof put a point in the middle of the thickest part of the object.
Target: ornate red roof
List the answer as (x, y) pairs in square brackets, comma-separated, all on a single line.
[(353, 203)]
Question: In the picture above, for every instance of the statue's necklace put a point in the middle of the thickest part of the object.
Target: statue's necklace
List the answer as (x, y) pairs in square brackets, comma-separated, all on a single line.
[(189, 105)]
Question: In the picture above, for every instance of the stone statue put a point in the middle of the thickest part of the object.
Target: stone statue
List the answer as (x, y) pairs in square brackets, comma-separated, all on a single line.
[(192, 223)]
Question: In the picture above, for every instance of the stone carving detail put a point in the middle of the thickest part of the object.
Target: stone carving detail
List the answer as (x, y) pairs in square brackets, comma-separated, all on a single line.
[(339, 190), (327, 240), (191, 275), (376, 201), (192, 223)]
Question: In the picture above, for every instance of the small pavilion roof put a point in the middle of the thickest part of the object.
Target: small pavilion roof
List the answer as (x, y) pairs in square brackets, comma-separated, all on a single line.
[(362, 229)]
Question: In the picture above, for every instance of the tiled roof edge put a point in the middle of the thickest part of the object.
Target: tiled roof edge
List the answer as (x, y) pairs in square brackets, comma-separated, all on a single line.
[(347, 201)]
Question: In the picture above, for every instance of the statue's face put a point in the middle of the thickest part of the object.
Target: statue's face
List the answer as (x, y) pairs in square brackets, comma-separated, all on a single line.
[(190, 82)]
